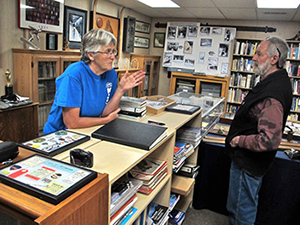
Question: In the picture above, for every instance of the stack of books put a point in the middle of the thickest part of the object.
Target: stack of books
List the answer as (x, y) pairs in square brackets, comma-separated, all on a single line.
[(151, 172), (176, 217), (190, 135), (174, 199), (123, 197), (132, 107), (182, 150), (157, 214), (189, 170)]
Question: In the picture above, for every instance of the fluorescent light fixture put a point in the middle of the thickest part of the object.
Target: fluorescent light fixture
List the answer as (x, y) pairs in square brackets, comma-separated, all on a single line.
[(278, 4), (22, 6), (160, 3)]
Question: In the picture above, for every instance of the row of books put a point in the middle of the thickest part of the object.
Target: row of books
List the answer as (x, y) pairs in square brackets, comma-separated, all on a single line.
[(242, 80), (43, 115), (292, 68), (132, 107), (242, 64), (123, 198), (295, 86), (182, 151), (245, 47), (294, 51), (236, 95), (151, 172), (294, 116), (231, 108), (295, 104), (46, 90), (47, 69), (190, 135)]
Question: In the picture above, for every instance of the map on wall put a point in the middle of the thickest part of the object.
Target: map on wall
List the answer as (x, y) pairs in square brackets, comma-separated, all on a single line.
[(203, 49)]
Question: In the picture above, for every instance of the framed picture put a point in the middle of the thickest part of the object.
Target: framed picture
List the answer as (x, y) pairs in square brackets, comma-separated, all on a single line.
[(51, 41), (48, 15), (74, 27), (159, 40), (46, 178), (107, 23), (128, 34), (141, 42), (142, 27), (55, 143)]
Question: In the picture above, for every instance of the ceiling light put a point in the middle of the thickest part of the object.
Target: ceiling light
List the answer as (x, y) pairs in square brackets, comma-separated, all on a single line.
[(160, 3), (278, 4)]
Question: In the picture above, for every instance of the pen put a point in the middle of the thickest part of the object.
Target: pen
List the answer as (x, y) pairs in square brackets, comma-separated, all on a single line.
[(156, 123)]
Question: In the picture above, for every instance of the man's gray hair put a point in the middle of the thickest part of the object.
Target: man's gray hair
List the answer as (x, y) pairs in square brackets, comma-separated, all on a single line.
[(278, 46), (94, 40)]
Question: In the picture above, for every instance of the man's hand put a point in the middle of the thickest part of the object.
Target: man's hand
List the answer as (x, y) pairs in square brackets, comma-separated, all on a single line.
[(235, 141), (113, 115)]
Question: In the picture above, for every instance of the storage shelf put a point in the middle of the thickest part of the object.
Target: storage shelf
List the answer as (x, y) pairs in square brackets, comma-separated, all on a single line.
[(182, 185)]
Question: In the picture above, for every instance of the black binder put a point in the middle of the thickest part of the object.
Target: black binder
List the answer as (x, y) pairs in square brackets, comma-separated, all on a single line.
[(183, 108), (131, 133)]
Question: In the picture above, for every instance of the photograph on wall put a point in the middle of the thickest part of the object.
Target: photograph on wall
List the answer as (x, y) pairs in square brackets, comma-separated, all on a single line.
[(212, 63), (178, 58), (223, 50), (205, 42), (159, 40), (171, 33), (229, 34), (216, 30), (48, 16), (189, 62), (182, 31), (201, 59), (168, 58), (173, 46), (188, 47), (192, 31), (204, 31), (224, 68)]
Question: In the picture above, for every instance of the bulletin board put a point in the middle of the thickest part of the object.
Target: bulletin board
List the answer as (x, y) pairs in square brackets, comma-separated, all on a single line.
[(203, 49)]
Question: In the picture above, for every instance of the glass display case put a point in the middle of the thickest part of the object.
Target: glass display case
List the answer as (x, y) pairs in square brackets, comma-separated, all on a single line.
[(212, 108)]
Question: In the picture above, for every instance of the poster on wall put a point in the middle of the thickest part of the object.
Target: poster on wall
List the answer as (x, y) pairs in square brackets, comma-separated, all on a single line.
[(202, 49)]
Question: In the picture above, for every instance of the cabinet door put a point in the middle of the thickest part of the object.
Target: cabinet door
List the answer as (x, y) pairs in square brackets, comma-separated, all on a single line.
[(45, 71), (66, 61)]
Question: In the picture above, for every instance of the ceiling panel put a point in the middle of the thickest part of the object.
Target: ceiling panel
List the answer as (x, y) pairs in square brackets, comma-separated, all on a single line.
[(239, 13), (195, 3), (275, 14), (179, 12), (297, 16), (235, 3), (209, 13)]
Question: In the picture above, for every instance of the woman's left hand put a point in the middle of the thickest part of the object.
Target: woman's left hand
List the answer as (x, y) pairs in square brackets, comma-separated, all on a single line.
[(129, 81)]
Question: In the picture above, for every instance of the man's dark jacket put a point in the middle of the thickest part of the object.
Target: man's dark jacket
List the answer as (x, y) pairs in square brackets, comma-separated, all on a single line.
[(276, 85)]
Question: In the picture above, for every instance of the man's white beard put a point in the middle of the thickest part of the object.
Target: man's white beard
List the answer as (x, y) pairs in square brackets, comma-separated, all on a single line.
[(262, 69)]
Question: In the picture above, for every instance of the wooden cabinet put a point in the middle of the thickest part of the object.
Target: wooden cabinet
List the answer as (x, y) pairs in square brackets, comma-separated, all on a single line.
[(89, 205), (34, 76), (14, 121), (134, 92), (151, 65), (207, 85)]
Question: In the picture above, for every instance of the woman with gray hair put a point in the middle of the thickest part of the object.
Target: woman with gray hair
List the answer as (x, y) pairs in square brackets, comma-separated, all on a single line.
[(88, 92)]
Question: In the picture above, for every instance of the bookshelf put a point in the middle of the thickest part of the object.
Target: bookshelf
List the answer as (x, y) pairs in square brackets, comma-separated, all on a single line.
[(35, 72), (242, 78), (116, 160), (293, 69)]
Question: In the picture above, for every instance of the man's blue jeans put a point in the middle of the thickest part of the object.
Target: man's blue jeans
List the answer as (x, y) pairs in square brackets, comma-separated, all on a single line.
[(242, 196)]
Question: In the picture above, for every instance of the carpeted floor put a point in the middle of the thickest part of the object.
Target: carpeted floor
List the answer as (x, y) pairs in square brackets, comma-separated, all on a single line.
[(204, 217)]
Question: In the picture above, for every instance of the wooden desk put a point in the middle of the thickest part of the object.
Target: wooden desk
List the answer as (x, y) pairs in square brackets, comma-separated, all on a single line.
[(19, 123), (87, 206)]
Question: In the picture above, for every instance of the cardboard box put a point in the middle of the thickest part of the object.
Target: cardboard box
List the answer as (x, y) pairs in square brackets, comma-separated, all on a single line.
[(157, 103)]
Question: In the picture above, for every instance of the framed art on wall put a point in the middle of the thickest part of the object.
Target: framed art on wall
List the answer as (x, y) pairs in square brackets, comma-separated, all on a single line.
[(74, 27), (141, 42), (107, 23), (48, 16), (142, 27), (159, 40), (51, 41)]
